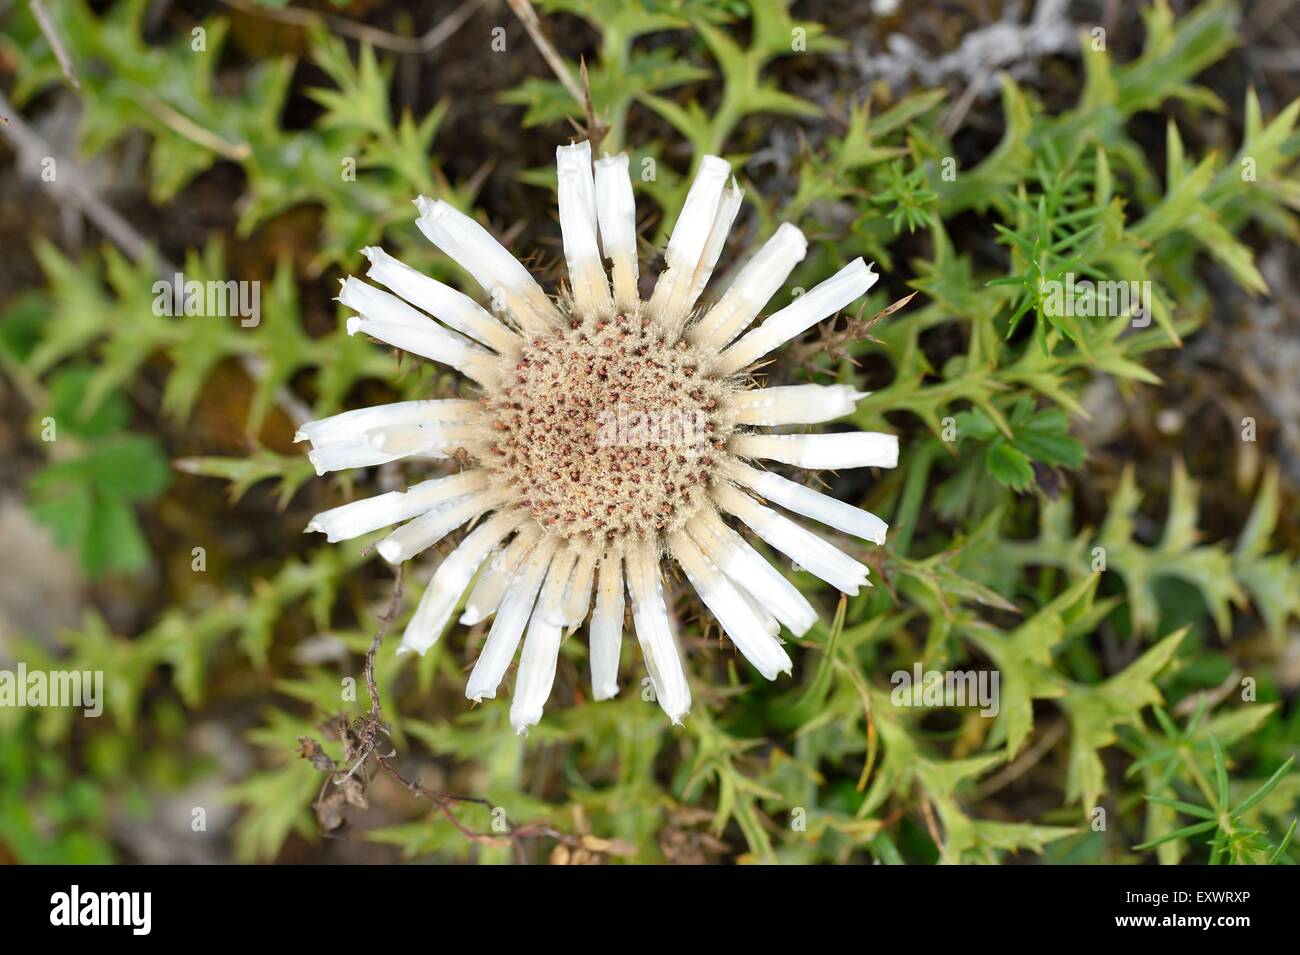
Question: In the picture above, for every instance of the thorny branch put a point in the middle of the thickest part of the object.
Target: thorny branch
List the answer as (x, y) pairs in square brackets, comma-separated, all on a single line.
[(361, 741), (831, 342)]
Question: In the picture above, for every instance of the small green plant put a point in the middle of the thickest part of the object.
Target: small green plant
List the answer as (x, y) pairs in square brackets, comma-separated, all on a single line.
[(1223, 820)]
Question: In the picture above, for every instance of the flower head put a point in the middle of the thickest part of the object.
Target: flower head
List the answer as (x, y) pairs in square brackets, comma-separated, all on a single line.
[(609, 434)]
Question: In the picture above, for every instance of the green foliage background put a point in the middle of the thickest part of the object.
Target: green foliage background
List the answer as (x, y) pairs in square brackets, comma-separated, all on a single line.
[(1123, 604)]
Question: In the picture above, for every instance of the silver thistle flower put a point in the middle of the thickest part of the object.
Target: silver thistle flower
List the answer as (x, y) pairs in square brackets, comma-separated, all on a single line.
[(610, 433)]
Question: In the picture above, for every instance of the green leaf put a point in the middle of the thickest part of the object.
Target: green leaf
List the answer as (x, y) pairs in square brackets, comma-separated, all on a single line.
[(1095, 712), (1259, 794), (1010, 466), (1183, 833), (86, 500)]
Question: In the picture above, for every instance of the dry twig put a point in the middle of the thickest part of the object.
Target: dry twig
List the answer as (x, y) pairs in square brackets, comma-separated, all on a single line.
[(426, 43), (361, 741), (831, 342), (57, 47), (580, 90)]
